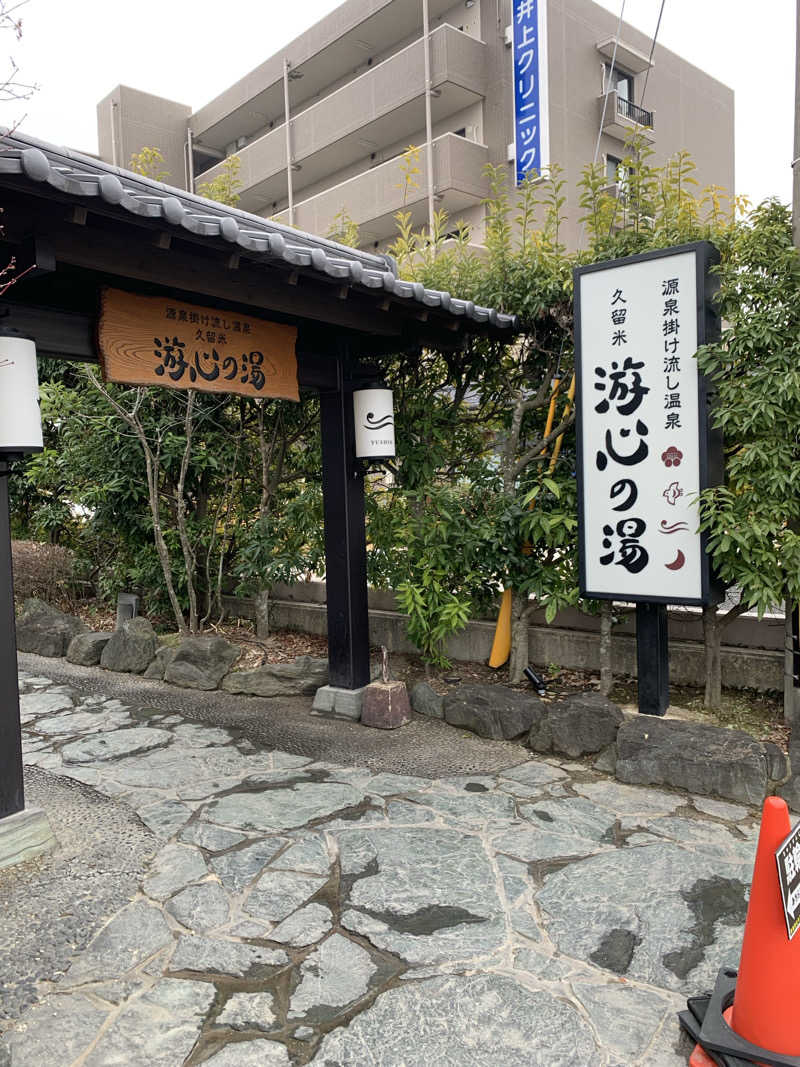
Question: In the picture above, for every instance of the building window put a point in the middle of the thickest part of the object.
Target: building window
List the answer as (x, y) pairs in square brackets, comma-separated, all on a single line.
[(615, 172), (618, 176), (462, 132), (622, 82)]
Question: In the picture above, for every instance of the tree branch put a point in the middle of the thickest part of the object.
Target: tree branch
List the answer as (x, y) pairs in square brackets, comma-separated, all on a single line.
[(536, 448)]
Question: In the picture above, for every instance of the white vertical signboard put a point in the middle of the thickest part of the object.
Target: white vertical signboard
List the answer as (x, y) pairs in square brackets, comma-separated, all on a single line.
[(643, 443)]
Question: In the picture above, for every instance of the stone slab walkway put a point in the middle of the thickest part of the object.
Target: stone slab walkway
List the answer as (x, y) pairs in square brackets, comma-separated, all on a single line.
[(301, 912)]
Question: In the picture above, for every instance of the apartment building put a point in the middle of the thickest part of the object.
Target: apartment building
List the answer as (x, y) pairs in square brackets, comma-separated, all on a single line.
[(371, 79)]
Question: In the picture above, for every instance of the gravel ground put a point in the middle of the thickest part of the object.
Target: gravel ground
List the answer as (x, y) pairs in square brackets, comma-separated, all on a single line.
[(53, 906), (426, 747)]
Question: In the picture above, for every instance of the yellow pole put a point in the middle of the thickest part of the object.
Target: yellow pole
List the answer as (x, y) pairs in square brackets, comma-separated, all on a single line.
[(560, 438), (501, 646)]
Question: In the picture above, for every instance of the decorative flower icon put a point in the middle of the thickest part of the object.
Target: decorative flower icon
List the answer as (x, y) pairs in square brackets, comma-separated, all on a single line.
[(672, 457)]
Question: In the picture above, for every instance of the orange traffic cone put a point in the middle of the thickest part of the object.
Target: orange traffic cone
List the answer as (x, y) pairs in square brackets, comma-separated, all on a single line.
[(768, 987), (700, 1058), (767, 990)]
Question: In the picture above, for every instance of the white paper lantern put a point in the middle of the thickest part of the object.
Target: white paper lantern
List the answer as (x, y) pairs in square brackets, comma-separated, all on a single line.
[(373, 411), (20, 417)]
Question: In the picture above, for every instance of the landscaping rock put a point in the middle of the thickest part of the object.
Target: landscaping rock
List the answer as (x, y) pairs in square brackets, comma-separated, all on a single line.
[(86, 649), (607, 760), (302, 676), (791, 793), (493, 711), (201, 663), (164, 656), (426, 701), (704, 759), (777, 768), (578, 726), (46, 631), (791, 789), (132, 649)]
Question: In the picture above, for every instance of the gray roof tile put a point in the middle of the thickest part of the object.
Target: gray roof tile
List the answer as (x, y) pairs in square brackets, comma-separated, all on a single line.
[(78, 175)]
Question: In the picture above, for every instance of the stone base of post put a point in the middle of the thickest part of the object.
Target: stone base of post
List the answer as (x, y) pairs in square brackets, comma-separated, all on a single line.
[(331, 702), (24, 836), (386, 705)]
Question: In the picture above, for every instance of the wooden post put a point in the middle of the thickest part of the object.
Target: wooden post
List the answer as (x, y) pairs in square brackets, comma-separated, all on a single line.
[(345, 541), (12, 797), (652, 658)]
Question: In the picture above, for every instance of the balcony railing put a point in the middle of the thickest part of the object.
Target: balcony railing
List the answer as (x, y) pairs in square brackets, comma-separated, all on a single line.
[(378, 108), (628, 110)]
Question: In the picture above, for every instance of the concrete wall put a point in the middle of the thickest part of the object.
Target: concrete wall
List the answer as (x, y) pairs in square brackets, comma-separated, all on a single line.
[(379, 107), (361, 95), (372, 198), (752, 656), (129, 120), (692, 110)]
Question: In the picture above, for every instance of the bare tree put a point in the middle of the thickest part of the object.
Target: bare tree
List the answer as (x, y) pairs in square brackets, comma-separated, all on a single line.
[(11, 86), (152, 457)]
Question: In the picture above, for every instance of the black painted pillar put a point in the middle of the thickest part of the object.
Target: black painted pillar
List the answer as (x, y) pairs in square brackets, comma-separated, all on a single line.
[(12, 798), (652, 658), (345, 540)]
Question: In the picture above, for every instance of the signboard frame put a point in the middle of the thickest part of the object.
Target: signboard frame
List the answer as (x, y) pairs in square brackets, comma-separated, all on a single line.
[(791, 843), (541, 87), (163, 340), (711, 457)]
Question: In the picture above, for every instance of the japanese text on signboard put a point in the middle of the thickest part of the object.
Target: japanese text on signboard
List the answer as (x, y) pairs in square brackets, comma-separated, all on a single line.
[(530, 86), (640, 430), (151, 340)]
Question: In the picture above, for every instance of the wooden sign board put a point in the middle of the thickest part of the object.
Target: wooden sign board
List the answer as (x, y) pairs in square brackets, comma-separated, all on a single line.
[(155, 340)]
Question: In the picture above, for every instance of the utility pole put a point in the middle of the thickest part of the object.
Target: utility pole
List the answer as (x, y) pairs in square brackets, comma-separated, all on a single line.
[(791, 644), (288, 139), (426, 33), (796, 153)]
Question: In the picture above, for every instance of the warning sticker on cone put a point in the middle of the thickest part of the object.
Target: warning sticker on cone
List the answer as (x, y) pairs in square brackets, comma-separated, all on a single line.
[(788, 857)]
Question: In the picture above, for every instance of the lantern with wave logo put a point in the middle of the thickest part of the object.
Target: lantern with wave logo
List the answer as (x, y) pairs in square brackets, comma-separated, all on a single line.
[(373, 412), (20, 418)]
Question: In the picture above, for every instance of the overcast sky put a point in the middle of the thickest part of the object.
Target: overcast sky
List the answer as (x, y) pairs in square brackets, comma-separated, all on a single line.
[(78, 50)]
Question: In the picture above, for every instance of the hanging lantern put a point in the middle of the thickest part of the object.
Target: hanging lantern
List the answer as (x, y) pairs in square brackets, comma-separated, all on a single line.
[(373, 411), (20, 417)]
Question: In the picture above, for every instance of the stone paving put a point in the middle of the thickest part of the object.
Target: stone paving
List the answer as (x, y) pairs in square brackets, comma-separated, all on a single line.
[(300, 912)]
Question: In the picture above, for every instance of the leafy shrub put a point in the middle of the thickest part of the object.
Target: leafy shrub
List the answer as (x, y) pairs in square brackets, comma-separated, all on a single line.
[(44, 571)]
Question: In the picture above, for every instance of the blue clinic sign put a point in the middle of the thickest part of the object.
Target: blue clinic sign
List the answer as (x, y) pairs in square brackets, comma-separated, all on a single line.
[(531, 132)]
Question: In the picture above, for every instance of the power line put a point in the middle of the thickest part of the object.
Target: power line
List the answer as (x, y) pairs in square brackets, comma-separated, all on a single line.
[(609, 82), (606, 93), (644, 90), (652, 49)]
